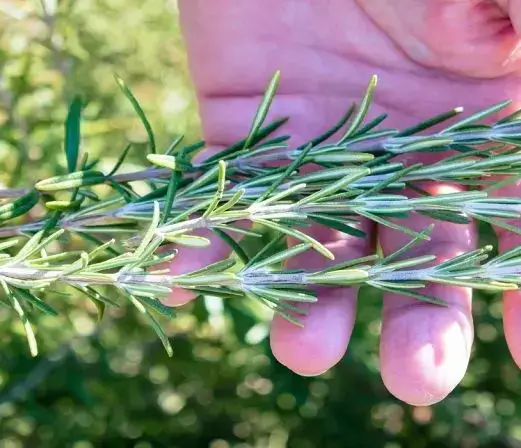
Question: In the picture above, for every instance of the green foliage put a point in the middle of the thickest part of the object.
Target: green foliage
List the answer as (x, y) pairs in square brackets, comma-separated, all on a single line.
[(110, 383)]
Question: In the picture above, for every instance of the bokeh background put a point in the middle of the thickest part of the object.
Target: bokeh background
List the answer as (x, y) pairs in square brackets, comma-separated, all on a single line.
[(111, 384)]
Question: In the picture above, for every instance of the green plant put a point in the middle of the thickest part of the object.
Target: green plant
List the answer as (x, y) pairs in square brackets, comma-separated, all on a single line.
[(124, 230)]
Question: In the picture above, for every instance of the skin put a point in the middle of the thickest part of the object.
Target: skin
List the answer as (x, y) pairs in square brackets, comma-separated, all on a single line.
[(430, 56)]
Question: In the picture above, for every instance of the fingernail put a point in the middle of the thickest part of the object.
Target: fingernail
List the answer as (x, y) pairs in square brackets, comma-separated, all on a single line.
[(309, 375)]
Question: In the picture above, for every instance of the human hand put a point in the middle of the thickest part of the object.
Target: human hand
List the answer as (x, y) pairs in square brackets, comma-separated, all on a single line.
[(430, 56)]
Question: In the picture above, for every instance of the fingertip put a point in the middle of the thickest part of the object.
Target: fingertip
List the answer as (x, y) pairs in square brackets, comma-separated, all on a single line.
[(425, 350), (512, 324), (322, 341), (179, 297), (511, 302)]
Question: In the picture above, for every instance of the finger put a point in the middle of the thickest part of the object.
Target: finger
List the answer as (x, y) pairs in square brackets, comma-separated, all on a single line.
[(227, 104), (511, 299), (424, 348), (323, 339), (230, 86)]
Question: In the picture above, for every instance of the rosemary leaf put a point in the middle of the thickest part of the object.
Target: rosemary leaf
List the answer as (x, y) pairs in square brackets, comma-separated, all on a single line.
[(235, 246), (263, 108), (72, 134), (139, 111)]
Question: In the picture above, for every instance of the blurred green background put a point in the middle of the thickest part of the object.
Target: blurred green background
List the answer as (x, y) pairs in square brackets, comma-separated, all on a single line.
[(112, 384)]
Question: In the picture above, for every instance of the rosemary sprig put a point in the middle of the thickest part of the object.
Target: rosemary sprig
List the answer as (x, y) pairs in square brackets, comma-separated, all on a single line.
[(357, 178), (26, 274)]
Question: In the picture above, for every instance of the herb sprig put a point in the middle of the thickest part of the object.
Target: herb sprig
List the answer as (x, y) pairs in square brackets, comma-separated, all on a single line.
[(129, 236)]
